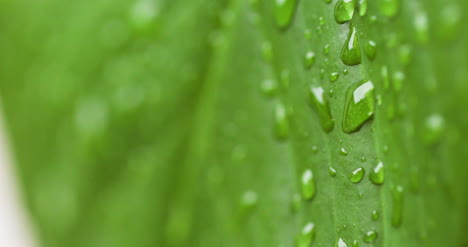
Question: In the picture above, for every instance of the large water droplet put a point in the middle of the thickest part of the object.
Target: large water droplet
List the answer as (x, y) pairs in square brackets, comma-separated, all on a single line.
[(351, 52), (357, 175), (343, 152), (307, 235), (284, 12), (334, 76), (359, 106), (397, 196), (370, 236), (319, 102), (371, 49), (344, 10), (362, 7), (389, 7), (308, 185), (376, 176), (281, 122)]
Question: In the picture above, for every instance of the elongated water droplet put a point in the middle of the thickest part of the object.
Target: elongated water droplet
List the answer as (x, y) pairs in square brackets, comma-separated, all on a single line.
[(362, 7), (269, 87), (355, 243), (359, 106), (344, 10), (397, 196), (307, 235), (267, 51), (404, 54), (332, 171), (295, 202), (308, 185), (281, 122), (351, 52), (389, 8), (398, 78), (309, 59), (370, 236), (319, 103), (334, 76), (341, 243), (371, 49), (357, 175), (343, 152), (450, 17), (375, 215), (326, 49), (376, 176), (284, 12), (421, 27), (434, 128)]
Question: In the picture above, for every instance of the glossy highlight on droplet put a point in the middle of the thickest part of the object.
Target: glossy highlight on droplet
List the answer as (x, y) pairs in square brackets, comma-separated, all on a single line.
[(284, 12), (359, 106), (351, 52), (344, 10), (319, 102), (308, 185)]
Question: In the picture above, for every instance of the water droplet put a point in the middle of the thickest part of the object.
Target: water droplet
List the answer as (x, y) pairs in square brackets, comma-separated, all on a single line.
[(327, 1), (269, 87), (376, 176), (359, 106), (321, 21), (307, 34), (343, 152), (314, 149), (285, 77), (397, 196), (281, 122), (363, 159), (371, 49), (357, 175), (143, 15), (372, 19), (355, 243), (421, 27), (284, 12), (398, 78), (309, 59), (345, 71), (332, 171), (404, 54), (296, 202), (307, 235), (267, 51), (341, 243), (389, 8), (450, 17), (326, 49), (320, 104), (334, 76), (351, 52), (362, 7), (308, 185), (249, 199), (370, 236), (434, 128), (344, 10), (331, 92), (375, 215)]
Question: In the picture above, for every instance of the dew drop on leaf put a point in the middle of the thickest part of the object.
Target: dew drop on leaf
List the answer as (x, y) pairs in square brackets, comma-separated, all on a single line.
[(389, 8), (306, 236), (319, 103), (343, 152), (309, 59), (355, 243), (308, 185), (434, 128), (334, 76), (326, 49), (351, 52), (344, 10), (327, 1), (370, 236), (375, 215), (371, 49), (332, 171), (341, 243), (376, 175), (307, 34), (345, 71), (398, 78), (267, 51), (295, 202), (357, 175), (284, 12), (285, 77), (314, 149), (404, 54), (143, 15), (421, 27), (362, 7), (281, 122), (269, 87), (397, 199), (359, 106), (249, 199)]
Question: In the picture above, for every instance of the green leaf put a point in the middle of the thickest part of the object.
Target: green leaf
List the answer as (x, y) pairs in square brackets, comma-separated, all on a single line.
[(192, 123)]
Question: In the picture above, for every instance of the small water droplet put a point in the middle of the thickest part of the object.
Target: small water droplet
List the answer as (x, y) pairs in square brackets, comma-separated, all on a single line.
[(308, 185), (357, 175), (281, 122), (341, 243), (370, 236), (389, 8), (332, 171), (351, 52), (249, 199), (321, 21), (314, 149), (359, 106), (398, 78), (309, 59), (307, 235), (355, 243), (334, 76), (284, 12), (385, 149), (404, 54), (344, 10), (371, 49), (372, 19), (397, 196), (450, 17), (307, 34), (434, 128), (343, 152), (375, 215), (295, 202), (345, 72), (421, 27), (326, 49), (143, 15), (267, 51), (376, 176), (285, 77), (362, 7), (320, 104), (331, 92), (327, 1), (363, 159)]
